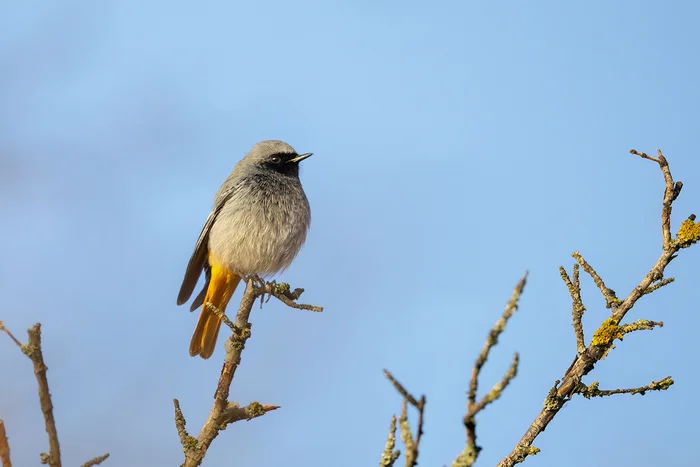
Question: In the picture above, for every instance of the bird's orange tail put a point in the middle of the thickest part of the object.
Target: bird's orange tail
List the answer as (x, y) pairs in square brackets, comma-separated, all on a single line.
[(222, 284)]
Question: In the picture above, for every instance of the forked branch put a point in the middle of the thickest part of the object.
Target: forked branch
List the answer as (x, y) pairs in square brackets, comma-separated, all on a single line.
[(611, 329), (223, 411)]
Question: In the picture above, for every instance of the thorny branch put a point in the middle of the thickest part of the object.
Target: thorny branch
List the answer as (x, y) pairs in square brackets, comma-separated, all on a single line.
[(602, 341), (224, 412), (32, 349)]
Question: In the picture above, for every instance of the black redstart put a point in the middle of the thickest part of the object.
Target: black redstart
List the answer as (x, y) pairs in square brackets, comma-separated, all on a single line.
[(258, 225)]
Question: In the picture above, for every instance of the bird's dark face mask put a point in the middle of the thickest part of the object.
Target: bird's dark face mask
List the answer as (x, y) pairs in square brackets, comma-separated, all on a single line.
[(285, 163)]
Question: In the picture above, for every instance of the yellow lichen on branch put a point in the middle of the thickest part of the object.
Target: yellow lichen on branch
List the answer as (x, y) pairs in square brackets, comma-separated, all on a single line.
[(689, 232), (607, 332)]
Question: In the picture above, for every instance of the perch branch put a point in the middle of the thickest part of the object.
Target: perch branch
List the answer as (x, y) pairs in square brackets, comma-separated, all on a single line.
[(224, 412), (610, 330)]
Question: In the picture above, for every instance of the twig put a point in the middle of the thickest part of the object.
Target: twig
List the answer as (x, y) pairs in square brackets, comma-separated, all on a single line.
[(4, 447), (471, 450), (577, 308), (7, 331), (406, 395), (608, 293), (234, 412), (96, 461), (224, 412), (283, 293), (389, 456), (586, 361), (593, 391), (641, 325), (671, 192), (185, 438), (33, 350), (658, 285), (406, 435)]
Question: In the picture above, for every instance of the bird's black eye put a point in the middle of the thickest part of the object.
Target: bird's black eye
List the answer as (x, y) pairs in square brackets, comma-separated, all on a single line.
[(275, 159)]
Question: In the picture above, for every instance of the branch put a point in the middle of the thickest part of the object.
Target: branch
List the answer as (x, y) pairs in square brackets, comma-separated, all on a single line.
[(96, 461), (32, 349), (577, 308), (224, 412), (671, 192), (4, 447), (593, 391), (608, 294), (601, 342), (406, 435), (235, 413), (389, 456), (471, 450)]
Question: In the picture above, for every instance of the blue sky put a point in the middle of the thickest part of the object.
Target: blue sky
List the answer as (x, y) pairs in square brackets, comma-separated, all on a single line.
[(457, 144)]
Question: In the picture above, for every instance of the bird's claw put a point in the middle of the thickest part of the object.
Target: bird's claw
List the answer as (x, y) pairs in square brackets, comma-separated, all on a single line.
[(257, 281)]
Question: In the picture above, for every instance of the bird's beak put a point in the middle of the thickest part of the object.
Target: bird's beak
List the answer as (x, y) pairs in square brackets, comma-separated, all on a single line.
[(301, 157)]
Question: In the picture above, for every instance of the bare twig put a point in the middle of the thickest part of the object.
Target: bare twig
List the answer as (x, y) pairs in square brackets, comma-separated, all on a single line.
[(185, 438), (4, 447), (7, 331), (577, 308), (406, 435), (287, 296), (671, 192), (96, 461), (658, 285), (406, 395), (32, 349), (592, 389), (224, 412), (609, 294), (610, 329), (234, 412), (471, 450), (641, 325), (389, 456)]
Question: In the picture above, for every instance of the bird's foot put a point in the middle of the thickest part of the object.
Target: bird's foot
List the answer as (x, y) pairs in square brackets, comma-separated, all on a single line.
[(258, 282)]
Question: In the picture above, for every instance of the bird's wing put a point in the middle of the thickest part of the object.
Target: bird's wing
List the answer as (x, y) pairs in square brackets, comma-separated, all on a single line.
[(199, 259)]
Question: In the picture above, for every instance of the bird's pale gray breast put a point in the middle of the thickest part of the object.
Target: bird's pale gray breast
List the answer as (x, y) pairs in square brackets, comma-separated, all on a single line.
[(262, 227)]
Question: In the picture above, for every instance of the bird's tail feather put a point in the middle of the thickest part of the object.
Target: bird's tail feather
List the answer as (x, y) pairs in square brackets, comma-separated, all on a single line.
[(220, 289)]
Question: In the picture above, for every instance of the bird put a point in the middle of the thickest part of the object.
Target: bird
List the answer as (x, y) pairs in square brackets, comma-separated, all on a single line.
[(258, 225)]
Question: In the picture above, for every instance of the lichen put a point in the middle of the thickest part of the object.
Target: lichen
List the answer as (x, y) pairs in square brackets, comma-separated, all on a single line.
[(255, 410), (689, 232), (533, 451), (607, 332), (191, 443)]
